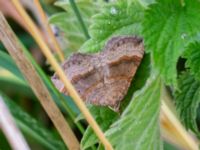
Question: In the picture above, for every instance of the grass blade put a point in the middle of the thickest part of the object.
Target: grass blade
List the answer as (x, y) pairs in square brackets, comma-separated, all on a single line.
[(32, 127), (64, 102), (10, 129)]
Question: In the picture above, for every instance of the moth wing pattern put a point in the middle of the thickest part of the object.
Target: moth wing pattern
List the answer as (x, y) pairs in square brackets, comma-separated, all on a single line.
[(104, 78)]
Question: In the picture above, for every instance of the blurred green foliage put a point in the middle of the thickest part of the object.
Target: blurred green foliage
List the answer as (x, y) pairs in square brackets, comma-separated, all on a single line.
[(29, 115)]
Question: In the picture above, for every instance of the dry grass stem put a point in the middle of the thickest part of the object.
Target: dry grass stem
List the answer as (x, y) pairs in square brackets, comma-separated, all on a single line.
[(173, 129), (15, 49), (72, 92), (46, 26), (9, 128)]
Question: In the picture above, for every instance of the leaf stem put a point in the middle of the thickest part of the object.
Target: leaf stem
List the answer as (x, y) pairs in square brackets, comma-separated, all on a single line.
[(80, 19)]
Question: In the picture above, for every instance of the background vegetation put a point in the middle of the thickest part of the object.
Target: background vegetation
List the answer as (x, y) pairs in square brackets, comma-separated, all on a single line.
[(169, 74)]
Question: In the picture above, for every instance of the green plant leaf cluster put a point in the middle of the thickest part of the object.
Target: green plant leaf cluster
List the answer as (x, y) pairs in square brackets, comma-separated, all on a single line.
[(19, 84), (138, 126), (187, 98), (170, 29), (125, 18), (32, 127), (167, 28), (104, 117), (120, 18), (70, 28), (192, 54), (187, 101)]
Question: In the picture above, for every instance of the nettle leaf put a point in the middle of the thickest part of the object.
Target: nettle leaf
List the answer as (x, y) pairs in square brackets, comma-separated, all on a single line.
[(192, 54), (69, 25), (167, 28), (32, 127), (138, 127), (187, 101), (104, 117), (118, 18)]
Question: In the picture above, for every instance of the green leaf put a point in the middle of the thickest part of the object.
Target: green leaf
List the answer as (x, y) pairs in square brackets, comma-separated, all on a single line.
[(8, 80), (167, 28), (169, 146), (7, 63), (70, 26), (122, 17), (147, 2), (89, 138), (192, 54), (33, 128), (10, 76), (187, 101), (64, 102), (104, 117), (14, 76), (138, 127)]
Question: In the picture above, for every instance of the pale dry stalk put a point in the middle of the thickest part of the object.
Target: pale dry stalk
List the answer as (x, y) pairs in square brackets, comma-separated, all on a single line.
[(72, 92), (172, 129), (15, 49), (9, 128), (46, 26)]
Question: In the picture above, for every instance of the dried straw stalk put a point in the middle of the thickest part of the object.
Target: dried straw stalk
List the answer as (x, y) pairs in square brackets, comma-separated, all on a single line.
[(172, 130), (71, 90), (9, 128), (46, 26), (15, 49)]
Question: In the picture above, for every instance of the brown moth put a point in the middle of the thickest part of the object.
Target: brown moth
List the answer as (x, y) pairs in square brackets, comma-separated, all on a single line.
[(104, 78)]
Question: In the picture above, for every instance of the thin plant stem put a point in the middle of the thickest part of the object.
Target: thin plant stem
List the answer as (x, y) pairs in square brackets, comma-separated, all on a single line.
[(9, 128), (48, 29), (172, 127), (71, 114), (54, 41), (80, 127), (80, 19), (16, 50), (71, 90)]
